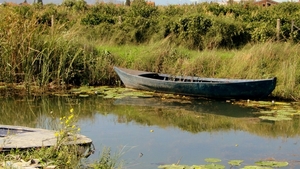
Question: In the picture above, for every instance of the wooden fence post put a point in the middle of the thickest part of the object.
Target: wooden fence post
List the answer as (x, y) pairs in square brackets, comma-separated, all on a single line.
[(292, 29), (278, 30), (120, 19), (52, 24)]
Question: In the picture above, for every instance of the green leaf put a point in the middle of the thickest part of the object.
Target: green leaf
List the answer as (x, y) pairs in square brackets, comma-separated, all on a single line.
[(272, 163), (213, 160), (173, 166), (255, 167), (214, 166), (276, 118), (235, 162)]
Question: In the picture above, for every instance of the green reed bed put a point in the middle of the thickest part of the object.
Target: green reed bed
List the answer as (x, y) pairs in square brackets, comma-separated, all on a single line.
[(40, 54)]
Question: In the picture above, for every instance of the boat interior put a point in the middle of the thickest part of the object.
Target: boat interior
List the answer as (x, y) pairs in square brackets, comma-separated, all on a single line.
[(174, 78), (10, 131)]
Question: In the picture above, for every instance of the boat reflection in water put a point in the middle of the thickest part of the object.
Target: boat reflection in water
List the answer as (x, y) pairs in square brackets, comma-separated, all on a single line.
[(195, 105)]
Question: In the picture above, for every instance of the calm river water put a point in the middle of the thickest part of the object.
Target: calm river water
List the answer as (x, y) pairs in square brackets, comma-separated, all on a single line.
[(148, 132)]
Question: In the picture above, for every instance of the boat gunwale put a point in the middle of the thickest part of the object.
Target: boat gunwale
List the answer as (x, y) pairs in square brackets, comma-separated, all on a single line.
[(141, 74)]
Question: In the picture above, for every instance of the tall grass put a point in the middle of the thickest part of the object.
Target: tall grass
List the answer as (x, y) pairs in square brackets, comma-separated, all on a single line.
[(35, 52), (257, 61), (40, 54)]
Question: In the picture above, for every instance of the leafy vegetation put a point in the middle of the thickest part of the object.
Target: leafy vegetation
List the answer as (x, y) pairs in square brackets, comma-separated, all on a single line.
[(59, 46), (259, 165)]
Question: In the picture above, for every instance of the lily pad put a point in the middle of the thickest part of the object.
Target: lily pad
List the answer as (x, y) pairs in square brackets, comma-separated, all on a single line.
[(214, 166), (83, 95), (235, 162), (213, 160), (275, 118), (173, 166), (272, 163), (267, 112), (255, 167), (61, 94), (109, 96)]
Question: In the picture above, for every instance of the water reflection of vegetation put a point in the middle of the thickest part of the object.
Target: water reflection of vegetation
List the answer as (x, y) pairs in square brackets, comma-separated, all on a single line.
[(192, 116), (213, 164), (41, 112), (198, 122)]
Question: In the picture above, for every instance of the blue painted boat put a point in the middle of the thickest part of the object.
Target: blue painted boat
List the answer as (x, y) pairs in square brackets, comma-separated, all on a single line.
[(197, 86)]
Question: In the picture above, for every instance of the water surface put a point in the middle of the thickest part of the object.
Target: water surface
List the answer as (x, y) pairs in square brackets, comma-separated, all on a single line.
[(148, 132)]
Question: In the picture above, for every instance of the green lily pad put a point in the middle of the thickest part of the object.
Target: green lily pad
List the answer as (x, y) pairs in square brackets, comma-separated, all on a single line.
[(214, 166), (275, 118), (272, 163), (255, 167), (212, 160), (267, 112), (197, 167), (173, 166), (108, 96), (235, 162), (61, 95), (265, 102), (83, 95)]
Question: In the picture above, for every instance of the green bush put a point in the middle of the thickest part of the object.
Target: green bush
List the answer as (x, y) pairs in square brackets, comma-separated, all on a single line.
[(227, 33)]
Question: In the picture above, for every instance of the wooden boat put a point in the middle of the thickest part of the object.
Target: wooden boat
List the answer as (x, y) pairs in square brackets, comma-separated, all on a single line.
[(25, 138), (197, 86)]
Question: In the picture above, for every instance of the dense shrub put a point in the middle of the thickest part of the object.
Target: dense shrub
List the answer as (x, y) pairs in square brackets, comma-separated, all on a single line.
[(189, 30), (78, 5), (227, 33)]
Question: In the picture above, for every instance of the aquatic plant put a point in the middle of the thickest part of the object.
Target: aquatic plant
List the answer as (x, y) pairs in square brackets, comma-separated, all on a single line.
[(108, 160), (110, 92), (259, 165), (272, 163), (235, 162), (212, 160), (273, 110)]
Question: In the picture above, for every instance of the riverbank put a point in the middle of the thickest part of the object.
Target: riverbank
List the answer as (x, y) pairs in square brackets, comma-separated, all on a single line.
[(256, 61), (54, 47)]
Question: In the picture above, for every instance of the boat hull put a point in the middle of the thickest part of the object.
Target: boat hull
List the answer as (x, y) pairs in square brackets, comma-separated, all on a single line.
[(196, 86), (25, 138)]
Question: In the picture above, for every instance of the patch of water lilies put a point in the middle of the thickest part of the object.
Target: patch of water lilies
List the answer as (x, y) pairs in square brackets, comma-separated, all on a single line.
[(207, 166), (212, 160), (273, 110), (272, 163), (256, 167), (213, 165), (109, 92), (235, 162)]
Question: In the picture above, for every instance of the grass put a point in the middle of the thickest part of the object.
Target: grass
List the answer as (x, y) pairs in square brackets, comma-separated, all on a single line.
[(255, 61), (69, 54)]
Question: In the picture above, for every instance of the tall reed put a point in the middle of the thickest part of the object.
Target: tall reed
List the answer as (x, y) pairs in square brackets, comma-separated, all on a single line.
[(41, 54)]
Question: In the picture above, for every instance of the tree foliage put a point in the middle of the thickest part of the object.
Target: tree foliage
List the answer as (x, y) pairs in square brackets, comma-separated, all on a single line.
[(198, 26)]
